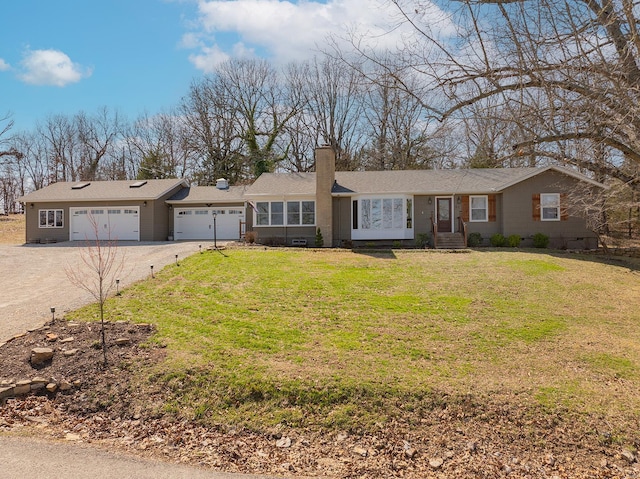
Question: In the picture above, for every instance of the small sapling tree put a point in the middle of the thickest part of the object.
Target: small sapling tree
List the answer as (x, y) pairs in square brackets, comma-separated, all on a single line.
[(100, 265)]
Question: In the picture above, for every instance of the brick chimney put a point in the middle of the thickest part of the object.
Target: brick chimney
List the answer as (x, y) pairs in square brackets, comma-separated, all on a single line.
[(325, 178)]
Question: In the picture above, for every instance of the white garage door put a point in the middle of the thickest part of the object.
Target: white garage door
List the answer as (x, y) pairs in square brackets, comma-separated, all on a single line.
[(197, 223), (110, 222)]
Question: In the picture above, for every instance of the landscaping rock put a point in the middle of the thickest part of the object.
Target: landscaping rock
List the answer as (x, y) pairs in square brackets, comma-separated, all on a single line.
[(70, 352), (283, 442), (67, 340), (628, 456), (360, 451), (122, 341), (436, 462), (22, 387), (41, 355)]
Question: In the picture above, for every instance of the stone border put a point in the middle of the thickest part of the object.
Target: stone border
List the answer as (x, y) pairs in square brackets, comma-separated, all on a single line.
[(9, 388)]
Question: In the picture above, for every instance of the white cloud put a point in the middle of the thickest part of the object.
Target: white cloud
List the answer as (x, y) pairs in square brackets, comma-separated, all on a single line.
[(286, 30), (51, 67), (4, 66)]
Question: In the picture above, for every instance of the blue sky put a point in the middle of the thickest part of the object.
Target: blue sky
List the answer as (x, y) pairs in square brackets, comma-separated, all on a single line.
[(136, 56)]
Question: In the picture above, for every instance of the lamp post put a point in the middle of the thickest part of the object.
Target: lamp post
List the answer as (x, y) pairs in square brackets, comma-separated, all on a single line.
[(53, 313), (151, 271), (215, 245), (117, 287)]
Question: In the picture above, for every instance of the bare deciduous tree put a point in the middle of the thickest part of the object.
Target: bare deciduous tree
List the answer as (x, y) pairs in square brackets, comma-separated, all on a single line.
[(567, 71)]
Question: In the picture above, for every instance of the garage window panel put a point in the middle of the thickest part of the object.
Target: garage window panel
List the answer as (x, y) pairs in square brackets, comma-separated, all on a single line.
[(51, 218)]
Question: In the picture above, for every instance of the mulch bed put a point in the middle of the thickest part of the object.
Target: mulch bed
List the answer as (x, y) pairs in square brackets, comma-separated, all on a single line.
[(494, 437)]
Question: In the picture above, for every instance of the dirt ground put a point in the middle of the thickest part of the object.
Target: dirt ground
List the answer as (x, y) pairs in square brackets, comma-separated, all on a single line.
[(473, 437)]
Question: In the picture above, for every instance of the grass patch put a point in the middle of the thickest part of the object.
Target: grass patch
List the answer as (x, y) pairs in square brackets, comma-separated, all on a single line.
[(343, 340)]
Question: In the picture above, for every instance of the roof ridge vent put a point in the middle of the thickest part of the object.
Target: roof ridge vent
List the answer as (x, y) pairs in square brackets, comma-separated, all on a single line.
[(138, 184), (79, 186), (222, 184)]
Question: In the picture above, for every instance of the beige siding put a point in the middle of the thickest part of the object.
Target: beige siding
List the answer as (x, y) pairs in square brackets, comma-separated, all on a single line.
[(341, 221), (154, 219), (36, 234), (279, 235), (240, 206), (517, 215), (486, 228)]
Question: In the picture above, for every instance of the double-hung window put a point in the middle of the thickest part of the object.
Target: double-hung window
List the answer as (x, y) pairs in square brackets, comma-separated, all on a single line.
[(51, 219), (301, 213), (550, 207), (479, 207), (291, 213)]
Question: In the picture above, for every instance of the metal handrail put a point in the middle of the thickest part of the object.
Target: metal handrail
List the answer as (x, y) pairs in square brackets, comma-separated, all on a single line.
[(462, 227), (434, 231)]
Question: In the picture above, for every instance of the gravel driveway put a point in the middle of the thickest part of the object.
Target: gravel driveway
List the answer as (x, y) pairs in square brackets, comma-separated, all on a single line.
[(33, 278)]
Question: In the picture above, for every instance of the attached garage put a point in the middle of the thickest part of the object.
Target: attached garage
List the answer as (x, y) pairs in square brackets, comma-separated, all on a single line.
[(194, 209), (120, 223), (123, 210), (198, 223)]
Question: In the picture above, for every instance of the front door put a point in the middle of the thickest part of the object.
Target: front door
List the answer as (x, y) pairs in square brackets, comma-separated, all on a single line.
[(444, 215)]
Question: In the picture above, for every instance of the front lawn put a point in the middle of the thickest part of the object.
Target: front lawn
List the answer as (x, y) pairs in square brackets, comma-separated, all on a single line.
[(337, 339)]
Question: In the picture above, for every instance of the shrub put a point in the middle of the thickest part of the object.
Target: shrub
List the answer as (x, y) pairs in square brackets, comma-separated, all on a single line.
[(397, 244), (319, 239), (250, 237), (422, 240), (513, 241), (540, 240), (498, 240), (474, 239)]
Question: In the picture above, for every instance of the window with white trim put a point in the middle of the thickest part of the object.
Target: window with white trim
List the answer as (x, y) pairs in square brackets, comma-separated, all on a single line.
[(550, 206), (479, 208), (275, 213), (301, 213), (382, 213), (51, 218)]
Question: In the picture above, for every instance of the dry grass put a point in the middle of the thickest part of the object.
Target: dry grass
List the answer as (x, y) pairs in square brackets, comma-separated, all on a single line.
[(12, 229)]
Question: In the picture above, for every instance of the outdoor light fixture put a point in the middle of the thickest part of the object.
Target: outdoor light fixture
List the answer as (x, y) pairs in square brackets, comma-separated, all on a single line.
[(31, 206), (145, 204), (215, 245), (459, 200), (430, 200), (177, 261), (53, 313), (117, 287), (151, 271), (200, 248)]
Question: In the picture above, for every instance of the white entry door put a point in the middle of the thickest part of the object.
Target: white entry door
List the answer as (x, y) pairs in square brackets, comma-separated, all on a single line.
[(197, 223), (118, 223)]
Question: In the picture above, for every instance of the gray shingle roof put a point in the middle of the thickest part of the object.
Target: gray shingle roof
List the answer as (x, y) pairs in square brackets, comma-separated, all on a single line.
[(470, 181), (425, 182), (283, 184), (102, 191), (208, 194)]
